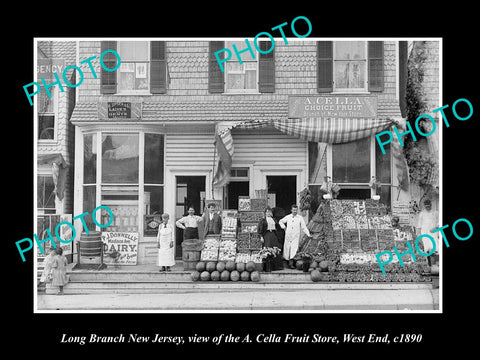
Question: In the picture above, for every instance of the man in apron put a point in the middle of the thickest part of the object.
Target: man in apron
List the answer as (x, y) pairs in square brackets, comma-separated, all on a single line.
[(294, 225)]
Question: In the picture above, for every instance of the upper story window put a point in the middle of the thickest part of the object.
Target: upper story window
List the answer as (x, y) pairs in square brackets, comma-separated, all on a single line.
[(133, 74), (46, 115), (143, 68), (350, 66), (241, 77)]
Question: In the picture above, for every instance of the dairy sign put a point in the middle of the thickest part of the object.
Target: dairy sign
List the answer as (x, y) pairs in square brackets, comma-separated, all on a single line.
[(332, 106), (120, 248)]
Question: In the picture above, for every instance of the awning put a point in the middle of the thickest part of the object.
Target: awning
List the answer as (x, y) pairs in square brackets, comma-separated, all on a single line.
[(59, 171), (327, 130)]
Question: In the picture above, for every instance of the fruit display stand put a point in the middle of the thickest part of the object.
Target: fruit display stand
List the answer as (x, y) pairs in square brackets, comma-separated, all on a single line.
[(346, 236)]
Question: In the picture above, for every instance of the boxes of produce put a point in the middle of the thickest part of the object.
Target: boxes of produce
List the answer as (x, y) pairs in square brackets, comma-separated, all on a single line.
[(249, 227), (209, 255), (251, 216), (244, 203), (242, 257), (255, 242), (258, 204)]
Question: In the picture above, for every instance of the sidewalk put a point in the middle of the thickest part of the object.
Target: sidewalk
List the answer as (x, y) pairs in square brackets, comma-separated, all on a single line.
[(274, 300)]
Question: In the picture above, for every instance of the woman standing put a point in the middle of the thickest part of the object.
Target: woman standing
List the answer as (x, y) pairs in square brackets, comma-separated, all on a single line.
[(59, 266), (166, 250), (268, 228)]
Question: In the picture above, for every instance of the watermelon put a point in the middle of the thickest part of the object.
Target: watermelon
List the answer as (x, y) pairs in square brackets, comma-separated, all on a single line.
[(250, 266), (240, 267), (205, 276), (211, 266), (195, 275), (314, 264), (245, 276), (215, 275), (234, 275), (220, 266), (230, 265), (255, 276), (225, 275), (315, 275), (323, 265), (299, 264), (200, 266)]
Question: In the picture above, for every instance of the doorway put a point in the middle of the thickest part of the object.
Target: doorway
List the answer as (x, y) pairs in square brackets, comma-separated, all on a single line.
[(282, 191), (234, 190), (190, 191)]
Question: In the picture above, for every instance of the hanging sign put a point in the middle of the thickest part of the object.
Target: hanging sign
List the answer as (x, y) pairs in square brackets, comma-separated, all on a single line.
[(360, 106)]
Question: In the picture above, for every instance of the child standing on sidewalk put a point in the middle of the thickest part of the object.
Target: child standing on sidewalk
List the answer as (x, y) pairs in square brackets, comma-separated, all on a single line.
[(59, 265)]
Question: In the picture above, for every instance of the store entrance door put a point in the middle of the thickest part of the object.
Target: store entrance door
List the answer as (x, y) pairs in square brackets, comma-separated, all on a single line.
[(234, 190), (282, 191), (190, 191)]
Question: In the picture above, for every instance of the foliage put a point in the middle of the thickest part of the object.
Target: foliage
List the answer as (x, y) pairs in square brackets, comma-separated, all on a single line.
[(269, 252), (305, 199)]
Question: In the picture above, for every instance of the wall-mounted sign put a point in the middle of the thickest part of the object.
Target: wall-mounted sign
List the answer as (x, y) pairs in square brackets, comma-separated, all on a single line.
[(113, 110), (120, 248), (361, 106), (46, 67)]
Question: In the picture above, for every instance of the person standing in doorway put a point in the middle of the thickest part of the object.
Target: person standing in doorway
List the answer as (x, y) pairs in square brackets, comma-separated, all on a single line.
[(294, 225), (189, 224), (166, 249), (212, 221)]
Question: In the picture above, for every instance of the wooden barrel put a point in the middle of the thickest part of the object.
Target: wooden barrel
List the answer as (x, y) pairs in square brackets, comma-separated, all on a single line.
[(91, 244), (191, 250)]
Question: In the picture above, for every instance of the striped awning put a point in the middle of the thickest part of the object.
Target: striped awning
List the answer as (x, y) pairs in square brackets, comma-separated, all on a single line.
[(327, 130)]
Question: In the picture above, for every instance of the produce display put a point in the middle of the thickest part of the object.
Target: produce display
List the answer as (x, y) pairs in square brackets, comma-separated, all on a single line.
[(227, 250), (244, 203), (251, 216), (229, 227), (242, 258), (219, 271)]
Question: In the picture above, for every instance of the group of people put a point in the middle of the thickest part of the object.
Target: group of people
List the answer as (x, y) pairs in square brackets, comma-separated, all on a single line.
[(212, 224), (284, 234)]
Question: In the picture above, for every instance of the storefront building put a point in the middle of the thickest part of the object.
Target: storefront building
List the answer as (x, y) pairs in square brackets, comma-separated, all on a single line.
[(54, 138), (168, 130)]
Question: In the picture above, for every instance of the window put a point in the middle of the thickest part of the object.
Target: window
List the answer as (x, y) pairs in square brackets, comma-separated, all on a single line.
[(241, 77), (350, 65), (119, 186), (134, 71), (46, 115), (352, 166), (45, 195)]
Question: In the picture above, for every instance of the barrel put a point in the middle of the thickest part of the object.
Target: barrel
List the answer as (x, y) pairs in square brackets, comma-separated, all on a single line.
[(91, 247), (191, 250)]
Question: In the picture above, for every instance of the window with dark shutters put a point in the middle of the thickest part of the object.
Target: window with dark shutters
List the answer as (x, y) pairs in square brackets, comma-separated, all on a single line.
[(266, 68), (108, 83), (158, 67), (375, 66), (324, 66), (216, 80)]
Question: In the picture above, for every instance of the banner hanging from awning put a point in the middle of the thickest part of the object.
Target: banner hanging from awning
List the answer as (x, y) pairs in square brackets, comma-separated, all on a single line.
[(59, 171), (331, 130)]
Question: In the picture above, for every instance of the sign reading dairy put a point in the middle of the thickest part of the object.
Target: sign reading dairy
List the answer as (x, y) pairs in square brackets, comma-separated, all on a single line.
[(120, 248), (332, 106)]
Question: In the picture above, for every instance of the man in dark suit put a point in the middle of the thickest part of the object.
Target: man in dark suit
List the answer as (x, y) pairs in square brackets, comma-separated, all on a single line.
[(212, 221)]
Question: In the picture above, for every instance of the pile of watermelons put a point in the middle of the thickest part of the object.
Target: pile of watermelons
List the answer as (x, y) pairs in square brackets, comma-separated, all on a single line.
[(225, 271)]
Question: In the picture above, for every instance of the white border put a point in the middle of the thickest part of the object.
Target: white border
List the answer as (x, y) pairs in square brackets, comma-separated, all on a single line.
[(440, 56)]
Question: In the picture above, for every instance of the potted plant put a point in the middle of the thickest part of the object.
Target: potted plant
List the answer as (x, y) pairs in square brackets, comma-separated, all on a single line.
[(267, 254), (306, 261)]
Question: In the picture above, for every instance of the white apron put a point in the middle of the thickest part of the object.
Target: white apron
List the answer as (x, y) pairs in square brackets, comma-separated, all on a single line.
[(295, 226), (166, 254)]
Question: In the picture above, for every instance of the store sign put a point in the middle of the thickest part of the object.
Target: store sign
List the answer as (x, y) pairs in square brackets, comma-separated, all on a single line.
[(332, 106), (46, 67), (120, 248), (122, 110), (402, 210), (113, 110)]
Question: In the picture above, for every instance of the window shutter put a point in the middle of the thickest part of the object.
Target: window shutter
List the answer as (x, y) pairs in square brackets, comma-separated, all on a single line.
[(375, 66), (266, 68), (215, 75), (324, 66), (158, 67), (108, 83), (403, 73)]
